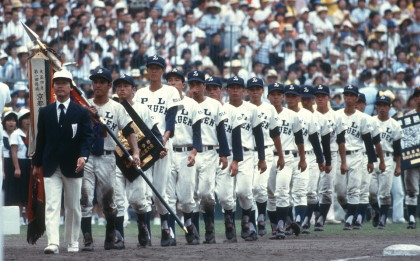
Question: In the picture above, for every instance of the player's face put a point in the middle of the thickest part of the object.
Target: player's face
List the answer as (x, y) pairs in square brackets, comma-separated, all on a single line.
[(276, 98), (214, 92), (62, 88), (10, 124), (176, 82), (307, 102), (100, 87), (383, 109), (155, 72), (197, 90), (124, 90), (292, 100), (235, 92), (361, 106), (350, 99), (255, 93), (321, 100)]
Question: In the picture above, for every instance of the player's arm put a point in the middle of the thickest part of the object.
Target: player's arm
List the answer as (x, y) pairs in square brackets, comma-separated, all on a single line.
[(326, 149), (197, 143), (275, 135), (237, 151), (223, 144), (301, 150), (341, 141), (259, 141), (397, 156), (129, 133), (378, 147), (170, 124), (370, 150), (314, 140)]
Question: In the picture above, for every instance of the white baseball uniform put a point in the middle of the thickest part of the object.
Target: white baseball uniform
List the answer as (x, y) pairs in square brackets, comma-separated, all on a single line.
[(181, 183), (159, 102)]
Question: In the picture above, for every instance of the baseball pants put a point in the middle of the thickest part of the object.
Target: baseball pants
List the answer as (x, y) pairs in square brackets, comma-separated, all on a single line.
[(326, 181), (99, 170), (299, 184), (279, 183), (244, 179), (206, 162), (225, 187), (181, 183), (365, 182), (397, 192), (134, 192), (381, 182), (347, 186), (412, 185), (261, 180), (313, 178)]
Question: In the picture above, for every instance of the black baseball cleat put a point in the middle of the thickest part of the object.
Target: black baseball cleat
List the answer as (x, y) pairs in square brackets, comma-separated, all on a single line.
[(305, 229), (381, 225), (88, 242), (209, 235), (347, 226), (288, 231), (230, 231), (411, 225), (143, 236), (295, 228), (375, 219), (280, 234), (319, 227), (261, 228), (357, 225), (248, 230), (167, 239), (114, 241), (192, 236)]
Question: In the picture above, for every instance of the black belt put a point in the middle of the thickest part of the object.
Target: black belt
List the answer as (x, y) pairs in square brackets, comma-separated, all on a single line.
[(206, 148), (181, 149), (246, 149), (108, 152), (287, 152), (217, 150), (351, 152), (265, 147), (388, 154)]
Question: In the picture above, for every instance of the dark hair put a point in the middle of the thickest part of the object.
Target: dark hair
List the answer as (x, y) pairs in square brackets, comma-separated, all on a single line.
[(8, 117), (202, 46), (25, 116)]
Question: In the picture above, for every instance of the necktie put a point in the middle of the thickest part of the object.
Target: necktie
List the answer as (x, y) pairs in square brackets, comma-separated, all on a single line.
[(62, 114)]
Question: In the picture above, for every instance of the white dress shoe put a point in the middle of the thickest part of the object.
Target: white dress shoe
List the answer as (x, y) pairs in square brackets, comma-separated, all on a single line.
[(73, 247), (51, 249)]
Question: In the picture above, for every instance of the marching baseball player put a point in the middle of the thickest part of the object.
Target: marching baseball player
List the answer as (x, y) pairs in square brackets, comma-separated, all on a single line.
[(186, 143), (163, 102), (225, 187), (358, 132), (412, 177), (213, 135), (280, 185), (324, 131), (337, 141), (381, 182), (270, 127), (364, 187), (252, 138), (100, 169), (134, 191), (313, 152)]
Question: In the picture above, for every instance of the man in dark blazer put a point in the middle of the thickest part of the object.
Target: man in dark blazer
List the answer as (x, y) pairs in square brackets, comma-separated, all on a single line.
[(63, 146)]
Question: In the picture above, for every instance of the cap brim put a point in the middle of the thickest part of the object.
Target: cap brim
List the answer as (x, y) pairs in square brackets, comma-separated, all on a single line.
[(255, 85), (355, 93), (95, 76), (121, 80), (292, 92), (273, 90), (174, 74), (65, 78), (196, 80), (155, 63), (319, 92), (307, 96)]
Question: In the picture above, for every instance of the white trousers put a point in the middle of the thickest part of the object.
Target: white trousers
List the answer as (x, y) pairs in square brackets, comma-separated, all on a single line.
[(207, 162), (279, 183), (381, 182), (72, 193), (347, 186), (225, 187), (313, 178), (261, 180), (244, 179), (326, 181)]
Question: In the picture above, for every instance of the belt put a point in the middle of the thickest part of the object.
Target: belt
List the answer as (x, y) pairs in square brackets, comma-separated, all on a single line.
[(287, 152), (351, 152), (309, 152), (108, 152), (388, 154), (265, 147), (181, 149), (211, 147), (246, 149)]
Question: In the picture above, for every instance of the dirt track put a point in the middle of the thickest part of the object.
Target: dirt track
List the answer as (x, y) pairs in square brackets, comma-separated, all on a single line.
[(313, 247)]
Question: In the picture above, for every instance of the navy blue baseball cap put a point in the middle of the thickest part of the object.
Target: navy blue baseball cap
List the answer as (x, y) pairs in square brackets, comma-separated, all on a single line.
[(214, 81), (307, 91), (275, 87), (254, 81), (383, 99), (322, 89), (416, 91), (351, 89), (101, 73), (177, 73), (196, 76), (124, 78), (292, 89), (362, 98), (157, 60), (235, 80)]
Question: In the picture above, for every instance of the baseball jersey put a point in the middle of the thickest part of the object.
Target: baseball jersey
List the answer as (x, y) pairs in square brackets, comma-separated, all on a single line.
[(324, 127), (185, 118), (373, 127), (115, 117), (159, 102), (144, 114), (390, 131), (357, 125), (213, 116), (337, 126), (289, 124), (234, 119), (309, 126), (270, 121), (252, 119)]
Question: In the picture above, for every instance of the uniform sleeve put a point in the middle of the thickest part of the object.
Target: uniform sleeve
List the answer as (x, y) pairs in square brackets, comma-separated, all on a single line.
[(257, 118), (374, 126), (274, 121), (174, 99), (312, 124), (197, 113), (325, 127), (340, 124), (14, 138), (296, 125), (221, 114), (147, 117), (365, 125), (237, 119), (123, 118), (398, 134)]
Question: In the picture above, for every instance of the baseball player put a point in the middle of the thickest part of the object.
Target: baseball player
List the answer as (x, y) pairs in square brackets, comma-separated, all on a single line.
[(186, 143), (280, 185), (163, 102), (381, 182), (252, 139), (313, 152), (358, 132), (412, 177), (213, 135), (270, 127), (134, 191), (225, 189), (364, 187), (324, 131), (100, 169), (337, 141)]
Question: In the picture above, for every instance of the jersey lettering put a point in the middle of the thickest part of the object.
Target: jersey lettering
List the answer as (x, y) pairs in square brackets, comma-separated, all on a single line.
[(354, 130), (285, 128), (157, 108), (161, 101), (144, 100), (108, 120), (387, 135)]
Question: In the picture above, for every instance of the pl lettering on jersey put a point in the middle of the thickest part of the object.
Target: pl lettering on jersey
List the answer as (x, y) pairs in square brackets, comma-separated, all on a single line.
[(228, 127), (182, 118), (387, 135), (207, 120), (264, 117), (304, 129), (108, 120), (285, 128), (247, 125), (354, 130)]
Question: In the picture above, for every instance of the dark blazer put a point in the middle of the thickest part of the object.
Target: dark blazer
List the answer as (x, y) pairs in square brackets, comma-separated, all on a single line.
[(62, 147)]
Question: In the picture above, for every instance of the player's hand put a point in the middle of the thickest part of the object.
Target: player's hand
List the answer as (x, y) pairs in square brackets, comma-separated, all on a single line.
[(280, 163), (343, 168), (233, 168), (262, 166), (382, 166), (302, 165), (17, 173), (36, 171), (136, 159), (93, 111), (327, 169), (223, 161), (370, 167), (163, 153), (191, 160), (321, 166), (80, 164), (397, 172)]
